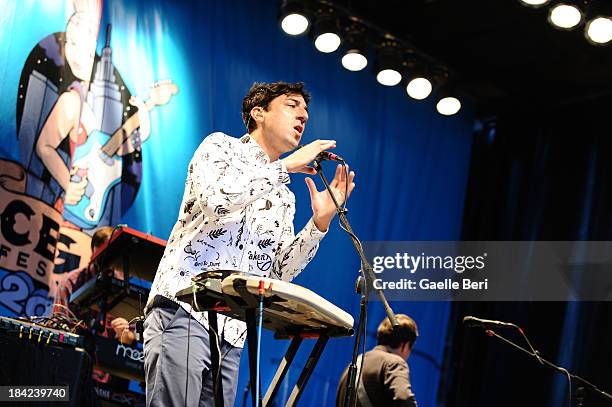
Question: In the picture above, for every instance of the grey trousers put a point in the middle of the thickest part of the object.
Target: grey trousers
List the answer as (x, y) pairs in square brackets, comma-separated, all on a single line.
[(166, 368)]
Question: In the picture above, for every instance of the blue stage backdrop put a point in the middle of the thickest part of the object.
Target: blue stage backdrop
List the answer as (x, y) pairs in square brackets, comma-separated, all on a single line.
[(171, 73)]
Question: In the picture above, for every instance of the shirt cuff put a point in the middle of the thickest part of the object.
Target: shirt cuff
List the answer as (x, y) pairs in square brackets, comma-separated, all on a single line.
[(313, 231)]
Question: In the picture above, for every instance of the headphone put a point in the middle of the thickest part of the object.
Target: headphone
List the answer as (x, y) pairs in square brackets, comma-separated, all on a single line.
[(250, 117)]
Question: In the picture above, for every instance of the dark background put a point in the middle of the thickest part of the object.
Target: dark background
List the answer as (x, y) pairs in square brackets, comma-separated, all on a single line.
[(540, 170)]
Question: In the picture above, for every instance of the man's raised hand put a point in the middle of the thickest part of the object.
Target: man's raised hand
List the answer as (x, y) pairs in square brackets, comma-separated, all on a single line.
[(298, 160)]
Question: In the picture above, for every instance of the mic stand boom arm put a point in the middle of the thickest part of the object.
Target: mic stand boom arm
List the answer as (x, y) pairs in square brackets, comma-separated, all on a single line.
[(551, 365), (368, 274)]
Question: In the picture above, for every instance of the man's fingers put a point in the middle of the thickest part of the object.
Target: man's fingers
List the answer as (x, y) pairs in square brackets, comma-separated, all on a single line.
[(311, 187), (339, 171), (323, 145), (325, 142), (337, 176), (344, 173), (351, 187)]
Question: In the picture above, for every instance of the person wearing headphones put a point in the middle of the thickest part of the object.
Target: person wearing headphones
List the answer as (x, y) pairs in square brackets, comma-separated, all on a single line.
[(385, 379)]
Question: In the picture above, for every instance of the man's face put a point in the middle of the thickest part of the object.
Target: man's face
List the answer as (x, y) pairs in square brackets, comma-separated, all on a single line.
[(284, 122)]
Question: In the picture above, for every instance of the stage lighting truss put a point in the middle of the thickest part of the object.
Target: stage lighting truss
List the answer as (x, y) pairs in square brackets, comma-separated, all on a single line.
[(569, 14), (332, 26)]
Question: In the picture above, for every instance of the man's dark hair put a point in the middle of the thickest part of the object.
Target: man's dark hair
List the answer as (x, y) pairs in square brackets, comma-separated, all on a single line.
[(101, 236), (406, 332), (261, 94)]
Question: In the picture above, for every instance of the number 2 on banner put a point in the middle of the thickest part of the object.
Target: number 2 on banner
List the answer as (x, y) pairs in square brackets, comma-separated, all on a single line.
[(17, 294)]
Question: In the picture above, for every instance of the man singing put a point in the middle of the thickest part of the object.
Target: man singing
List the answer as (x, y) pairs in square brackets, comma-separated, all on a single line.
[(237, 214)]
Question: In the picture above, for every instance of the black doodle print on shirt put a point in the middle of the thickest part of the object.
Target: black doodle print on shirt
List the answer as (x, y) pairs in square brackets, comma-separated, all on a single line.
[(265, 243), (239, 236), (189, 206), (214, 234), (202, 241), (220, 210), (267, 206)]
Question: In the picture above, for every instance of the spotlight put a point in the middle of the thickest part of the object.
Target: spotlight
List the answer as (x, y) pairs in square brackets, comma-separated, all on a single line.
[(420, 82), (355, 44), (388, 63), (448, 101), (448, 106), (534, 3), (566, 14), (419, 88), (598, 29), (326, 33), (293, 18)]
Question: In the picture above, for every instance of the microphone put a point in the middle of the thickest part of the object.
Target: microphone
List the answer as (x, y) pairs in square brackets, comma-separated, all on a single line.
[(472, 322), (325, 155)]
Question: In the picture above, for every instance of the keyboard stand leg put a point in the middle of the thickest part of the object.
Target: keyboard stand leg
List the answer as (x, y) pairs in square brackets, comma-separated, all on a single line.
[(281, 372), (252, 341), (315, 354)]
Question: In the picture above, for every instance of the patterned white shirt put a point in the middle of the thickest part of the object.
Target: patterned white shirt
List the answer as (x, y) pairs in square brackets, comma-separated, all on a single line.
[(237, 214)]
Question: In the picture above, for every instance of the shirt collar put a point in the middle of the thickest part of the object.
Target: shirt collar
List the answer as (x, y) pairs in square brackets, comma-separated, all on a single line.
[(254, 150)]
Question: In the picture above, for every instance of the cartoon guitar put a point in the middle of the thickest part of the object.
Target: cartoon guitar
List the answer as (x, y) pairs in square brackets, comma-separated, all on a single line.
[(99, 159)]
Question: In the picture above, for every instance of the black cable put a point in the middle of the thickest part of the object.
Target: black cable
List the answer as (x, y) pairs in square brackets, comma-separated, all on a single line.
[(187, 364), (545, 362), (222, 357), (537, 356), (364, 335)]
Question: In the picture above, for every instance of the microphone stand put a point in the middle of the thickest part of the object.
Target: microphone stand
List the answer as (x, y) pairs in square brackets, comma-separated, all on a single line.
[(362, 287), (536, 355)]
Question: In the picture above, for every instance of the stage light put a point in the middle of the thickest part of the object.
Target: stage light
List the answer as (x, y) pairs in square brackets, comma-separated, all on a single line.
[(419, 88), (293, 18), (388, 63), (326, 33), (565, 15), (598, 29), (448, 101), (448, 106), (355, 45), (534, 3), (421, 77), (388, 77), (354, 61), (327, 42)]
